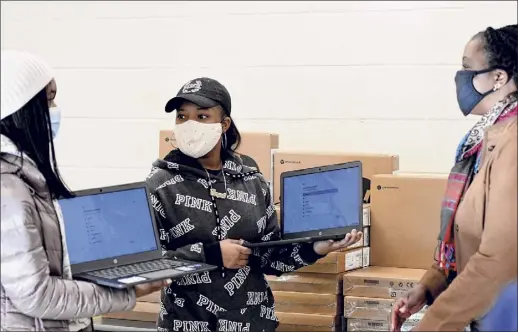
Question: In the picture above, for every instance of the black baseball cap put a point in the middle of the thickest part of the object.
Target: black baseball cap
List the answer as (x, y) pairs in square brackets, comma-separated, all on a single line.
[(204, 92)]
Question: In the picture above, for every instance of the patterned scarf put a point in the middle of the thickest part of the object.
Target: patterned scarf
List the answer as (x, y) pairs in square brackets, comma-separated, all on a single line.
[(467, 162)]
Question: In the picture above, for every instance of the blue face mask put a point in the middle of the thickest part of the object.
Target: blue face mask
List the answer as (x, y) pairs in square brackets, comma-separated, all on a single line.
[(467, 96), (55, 120)]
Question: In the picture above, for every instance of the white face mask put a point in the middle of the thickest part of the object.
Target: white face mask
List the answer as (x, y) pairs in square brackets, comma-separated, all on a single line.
[(196, 139)]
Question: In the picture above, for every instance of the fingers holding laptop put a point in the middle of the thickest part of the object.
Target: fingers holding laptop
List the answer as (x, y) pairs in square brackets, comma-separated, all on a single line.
[(234, 255), (348, 240), (151, 287), (325, 247)]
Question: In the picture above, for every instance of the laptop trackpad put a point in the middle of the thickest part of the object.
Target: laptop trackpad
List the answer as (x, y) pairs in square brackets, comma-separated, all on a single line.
[(162, 274)]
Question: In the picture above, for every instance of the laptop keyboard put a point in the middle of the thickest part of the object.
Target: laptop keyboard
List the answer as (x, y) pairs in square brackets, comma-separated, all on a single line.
[(137, 268)]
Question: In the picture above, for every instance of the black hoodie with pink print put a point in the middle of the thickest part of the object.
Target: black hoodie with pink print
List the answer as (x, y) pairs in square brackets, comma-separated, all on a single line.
[(191, 220)]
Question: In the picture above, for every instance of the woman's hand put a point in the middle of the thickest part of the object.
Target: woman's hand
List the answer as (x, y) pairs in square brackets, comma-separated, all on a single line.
[(234, 255), (406, 306), (325, 247), (151, 287)]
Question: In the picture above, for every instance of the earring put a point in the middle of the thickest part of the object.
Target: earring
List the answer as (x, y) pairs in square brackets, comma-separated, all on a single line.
[(496, 88), (224, 141)]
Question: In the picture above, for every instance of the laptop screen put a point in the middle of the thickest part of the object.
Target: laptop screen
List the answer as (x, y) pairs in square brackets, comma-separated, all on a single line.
[(323, 200), (107, 225)]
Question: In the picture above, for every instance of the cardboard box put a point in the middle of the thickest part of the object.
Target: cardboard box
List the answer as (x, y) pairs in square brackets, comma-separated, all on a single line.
[(278, 211), (381, 282), (367, 308), (374, 325), (339, 262), (405, 218), (367, 325), (258, 146), (318, 283), (413, 320), (153, 298), (309, 303), (371, 164), (291, 322), (143, 311), (166, 143)]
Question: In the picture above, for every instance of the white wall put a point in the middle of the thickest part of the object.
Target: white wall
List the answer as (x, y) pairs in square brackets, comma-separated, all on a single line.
[(350, 76)]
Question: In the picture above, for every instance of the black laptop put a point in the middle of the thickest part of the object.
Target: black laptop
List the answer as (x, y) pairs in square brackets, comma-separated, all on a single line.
[(320, 203), (112, 238)]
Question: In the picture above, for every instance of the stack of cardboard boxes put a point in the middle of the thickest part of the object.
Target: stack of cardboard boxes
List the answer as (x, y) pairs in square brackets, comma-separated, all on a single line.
[(311, 299), (405, 217), (308, 301), (370, 293)]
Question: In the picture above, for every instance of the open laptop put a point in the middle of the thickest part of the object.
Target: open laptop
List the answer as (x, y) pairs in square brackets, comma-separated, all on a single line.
[(320, 203), (112, 238)]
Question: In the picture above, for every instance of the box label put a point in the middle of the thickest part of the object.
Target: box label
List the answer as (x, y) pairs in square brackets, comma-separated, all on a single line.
[(366, 325), (397, 293), (366, 216), (399, 288), (366, 256), (366, 238), (353, 260), (371, 282)]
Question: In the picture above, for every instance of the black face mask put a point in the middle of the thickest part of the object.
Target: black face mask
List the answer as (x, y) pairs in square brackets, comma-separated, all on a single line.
[(467, 96)]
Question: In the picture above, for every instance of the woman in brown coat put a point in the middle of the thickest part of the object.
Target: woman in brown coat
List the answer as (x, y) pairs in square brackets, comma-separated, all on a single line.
[(477, 251)]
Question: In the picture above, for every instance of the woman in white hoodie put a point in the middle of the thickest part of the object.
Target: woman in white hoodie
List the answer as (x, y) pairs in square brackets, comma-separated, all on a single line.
[(37, 292)]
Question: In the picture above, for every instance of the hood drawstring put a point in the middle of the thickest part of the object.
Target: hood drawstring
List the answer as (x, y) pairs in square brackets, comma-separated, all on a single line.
[(213, 193)]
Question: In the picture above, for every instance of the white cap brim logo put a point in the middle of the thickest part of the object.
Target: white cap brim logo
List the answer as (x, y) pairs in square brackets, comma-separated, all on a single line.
[(192, 87)]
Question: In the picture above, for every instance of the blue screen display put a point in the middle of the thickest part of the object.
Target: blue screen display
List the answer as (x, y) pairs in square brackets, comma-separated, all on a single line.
[(322, 200), (107, 225)]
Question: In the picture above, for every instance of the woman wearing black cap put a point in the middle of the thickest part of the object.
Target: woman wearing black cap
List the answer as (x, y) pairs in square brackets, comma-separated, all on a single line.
[(207, 202)]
